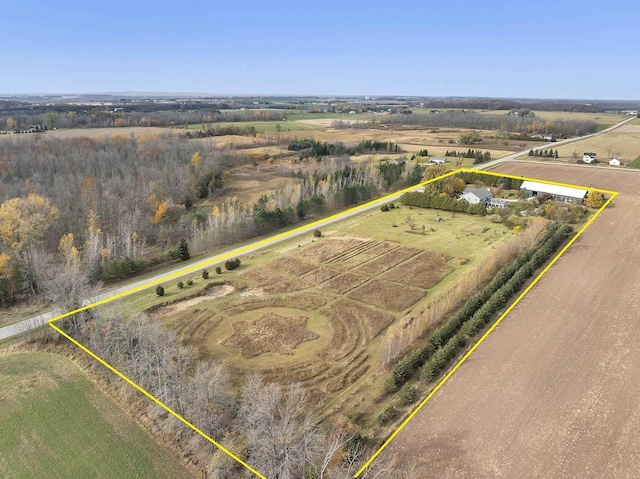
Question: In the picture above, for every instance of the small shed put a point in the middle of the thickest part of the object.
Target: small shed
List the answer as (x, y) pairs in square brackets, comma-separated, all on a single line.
[(614, 162)]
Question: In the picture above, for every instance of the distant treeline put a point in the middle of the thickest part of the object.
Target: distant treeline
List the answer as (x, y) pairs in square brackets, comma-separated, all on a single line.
[(554, 105), (310, 148), (506, 123), (73, 116)]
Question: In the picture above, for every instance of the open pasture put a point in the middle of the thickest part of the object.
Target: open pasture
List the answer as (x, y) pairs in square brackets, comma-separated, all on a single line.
[(54, 422)]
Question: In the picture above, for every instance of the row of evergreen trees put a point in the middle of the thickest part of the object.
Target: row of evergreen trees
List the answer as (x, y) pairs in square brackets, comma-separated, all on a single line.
[(441, 202), (550, 153), (447, 340)]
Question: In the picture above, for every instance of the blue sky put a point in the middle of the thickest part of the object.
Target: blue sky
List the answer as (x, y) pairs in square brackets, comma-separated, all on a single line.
[(542, 49)]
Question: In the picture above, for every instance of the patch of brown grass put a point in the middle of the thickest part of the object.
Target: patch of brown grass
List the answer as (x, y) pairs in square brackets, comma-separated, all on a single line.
[(271, 333), (424, 271), (306, 301), (327, 248), (387, 261), (387, 295), (344, 282), (272, 281), (292, 265), (319, 275)]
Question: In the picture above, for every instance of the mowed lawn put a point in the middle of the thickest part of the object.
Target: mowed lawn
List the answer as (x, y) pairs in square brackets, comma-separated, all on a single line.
[(55, 423)]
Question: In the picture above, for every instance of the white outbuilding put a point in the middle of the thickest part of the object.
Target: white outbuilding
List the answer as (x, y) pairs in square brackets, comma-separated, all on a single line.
[(557, 192)]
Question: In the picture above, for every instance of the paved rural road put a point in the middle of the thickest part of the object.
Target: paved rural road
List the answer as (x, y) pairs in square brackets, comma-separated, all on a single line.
[(32, 323)]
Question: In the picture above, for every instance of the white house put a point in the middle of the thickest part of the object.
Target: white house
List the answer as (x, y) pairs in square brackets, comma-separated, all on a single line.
[(588, 157), (559, 193), (437, 160), (614, 162), (476, 195)]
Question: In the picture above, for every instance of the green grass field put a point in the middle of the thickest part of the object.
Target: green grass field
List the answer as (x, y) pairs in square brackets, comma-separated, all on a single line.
[(635, 163), (55, 423)]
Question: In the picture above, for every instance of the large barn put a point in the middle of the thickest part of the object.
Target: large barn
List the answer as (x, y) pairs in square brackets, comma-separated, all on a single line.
[(557, 192)]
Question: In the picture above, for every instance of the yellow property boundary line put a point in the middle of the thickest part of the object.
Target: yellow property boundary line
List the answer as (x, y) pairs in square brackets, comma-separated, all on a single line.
[(291, 234)]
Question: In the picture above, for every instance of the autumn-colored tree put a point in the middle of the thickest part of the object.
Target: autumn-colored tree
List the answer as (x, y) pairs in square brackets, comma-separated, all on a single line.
[(594, 199), (67, 249), (453, 185), (196, 161), (161, 212), (24, 221)]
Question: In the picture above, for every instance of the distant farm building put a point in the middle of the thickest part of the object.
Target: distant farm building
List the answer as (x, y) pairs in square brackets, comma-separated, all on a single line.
[(565, 194), (437, 160), (399, 161), (614, 162), (475, 196), (588, 157)]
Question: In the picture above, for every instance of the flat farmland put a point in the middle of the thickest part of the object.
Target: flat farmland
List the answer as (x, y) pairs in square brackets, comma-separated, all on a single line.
[(55, 423), (623, 142), (553, 391)]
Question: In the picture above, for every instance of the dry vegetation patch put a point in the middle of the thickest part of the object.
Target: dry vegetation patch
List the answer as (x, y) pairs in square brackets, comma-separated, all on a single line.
[(271, 333), (319, 275), (387, 295), (373, 319), (387, 261), (328, 248), (272, 281), (306, 301), (424, 271), (292, 265), (345, 282)]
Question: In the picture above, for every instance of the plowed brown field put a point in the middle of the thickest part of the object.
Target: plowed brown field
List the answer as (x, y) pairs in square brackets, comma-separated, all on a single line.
[(554, 391)]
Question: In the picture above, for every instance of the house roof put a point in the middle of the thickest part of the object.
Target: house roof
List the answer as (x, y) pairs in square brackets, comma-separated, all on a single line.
[(553, 189), (481, 193)]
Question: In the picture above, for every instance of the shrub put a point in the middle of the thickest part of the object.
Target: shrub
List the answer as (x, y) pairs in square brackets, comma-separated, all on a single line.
[(218, 270), (205, 274), (231, 264), (180, 285), (159, 290), (317, 233), (189, 282), (384, 208), (386, 414), (406, 395)]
